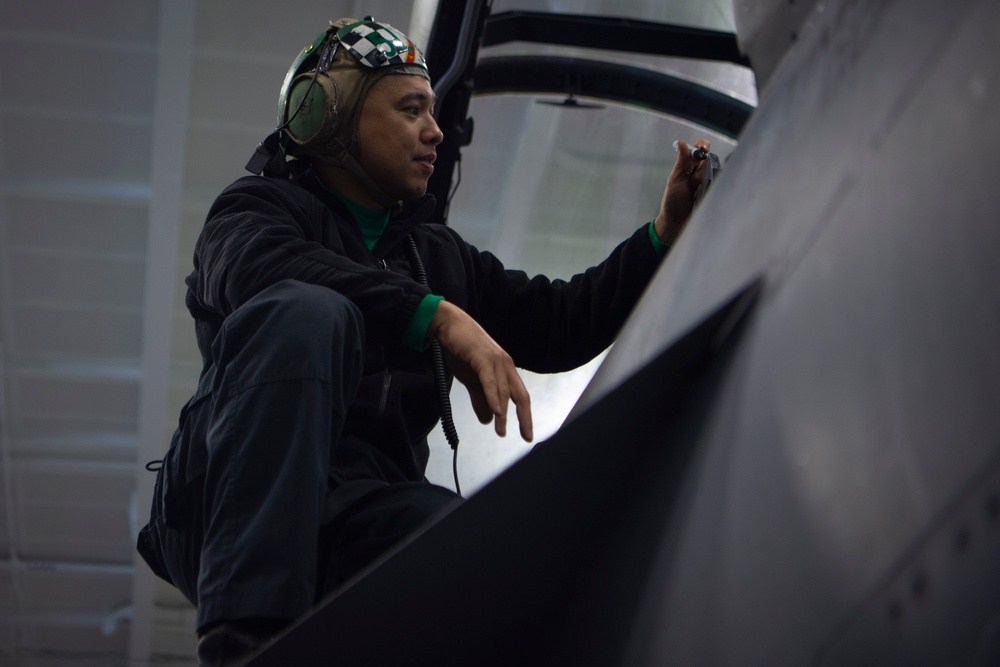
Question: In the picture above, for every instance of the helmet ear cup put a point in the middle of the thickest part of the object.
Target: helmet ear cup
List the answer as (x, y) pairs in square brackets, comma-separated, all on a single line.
[(312, 109)]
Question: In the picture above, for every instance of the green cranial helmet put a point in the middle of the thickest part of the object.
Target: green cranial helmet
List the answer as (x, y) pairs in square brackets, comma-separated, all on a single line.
[(319, 107), (325, 88)]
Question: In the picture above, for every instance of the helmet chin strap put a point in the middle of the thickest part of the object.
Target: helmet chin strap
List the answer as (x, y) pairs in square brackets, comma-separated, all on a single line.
[(342, 158)]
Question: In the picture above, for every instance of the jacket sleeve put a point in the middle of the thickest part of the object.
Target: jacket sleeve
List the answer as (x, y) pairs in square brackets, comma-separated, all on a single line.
[(260, 232), (555, 325)]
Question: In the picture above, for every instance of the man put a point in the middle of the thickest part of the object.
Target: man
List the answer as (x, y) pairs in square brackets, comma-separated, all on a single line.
[(317, 290)]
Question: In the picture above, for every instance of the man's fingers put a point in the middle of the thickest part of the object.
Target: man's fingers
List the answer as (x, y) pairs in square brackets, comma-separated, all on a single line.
[(499, 391), (487, 372), (522, 403), (480, 405), (692, 168), (502, 398), (500, 425), (686, 163), (683, 163)]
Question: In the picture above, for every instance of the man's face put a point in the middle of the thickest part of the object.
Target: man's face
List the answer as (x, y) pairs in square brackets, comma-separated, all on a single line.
[(398, 135)]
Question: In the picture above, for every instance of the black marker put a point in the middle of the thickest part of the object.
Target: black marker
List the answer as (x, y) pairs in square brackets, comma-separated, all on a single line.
[(696, 153)]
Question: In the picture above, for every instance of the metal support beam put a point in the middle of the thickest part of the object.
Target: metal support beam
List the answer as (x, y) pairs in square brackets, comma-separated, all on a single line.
[(618, 34), (175, 52), (451, 57), (636, 86)]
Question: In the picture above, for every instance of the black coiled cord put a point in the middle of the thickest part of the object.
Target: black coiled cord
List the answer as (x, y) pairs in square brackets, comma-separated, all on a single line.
[(440, 372)]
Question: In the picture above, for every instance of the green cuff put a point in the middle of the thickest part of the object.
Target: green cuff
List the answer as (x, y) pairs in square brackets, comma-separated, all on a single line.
[(416, 332), (659, 246)]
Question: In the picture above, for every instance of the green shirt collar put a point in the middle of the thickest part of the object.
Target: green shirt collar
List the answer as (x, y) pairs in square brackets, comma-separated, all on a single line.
[(372, 221)]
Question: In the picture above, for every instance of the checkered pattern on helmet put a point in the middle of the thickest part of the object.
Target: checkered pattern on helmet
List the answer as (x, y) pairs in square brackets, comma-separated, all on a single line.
[(379, 45)]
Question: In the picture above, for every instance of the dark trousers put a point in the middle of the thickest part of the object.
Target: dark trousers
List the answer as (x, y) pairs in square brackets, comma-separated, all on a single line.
[(237, 522)]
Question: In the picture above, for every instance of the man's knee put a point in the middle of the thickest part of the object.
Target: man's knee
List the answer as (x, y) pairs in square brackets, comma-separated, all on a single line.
[(293, 306), (297, 330)]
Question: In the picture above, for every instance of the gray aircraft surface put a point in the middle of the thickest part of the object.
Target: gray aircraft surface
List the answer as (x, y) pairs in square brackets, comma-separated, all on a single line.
[(791, 456)]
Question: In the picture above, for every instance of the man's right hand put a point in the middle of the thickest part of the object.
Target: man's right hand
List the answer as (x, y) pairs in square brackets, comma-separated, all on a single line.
[(485, 369), (678, 194)]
